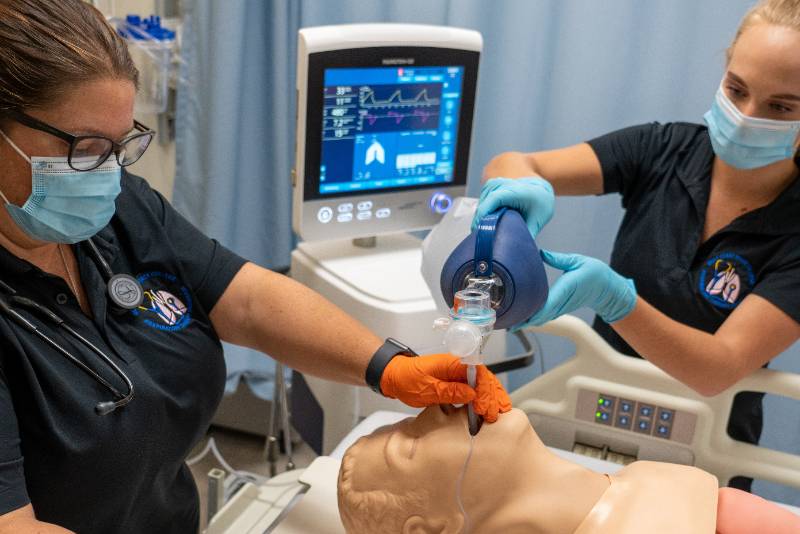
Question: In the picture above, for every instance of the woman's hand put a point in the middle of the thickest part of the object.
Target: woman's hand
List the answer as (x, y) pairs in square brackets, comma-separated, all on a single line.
[(421, 381), (586, 282), (532, 197)]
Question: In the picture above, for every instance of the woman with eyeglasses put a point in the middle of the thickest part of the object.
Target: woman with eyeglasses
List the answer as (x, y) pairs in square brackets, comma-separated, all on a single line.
[(112, 305), (704, 278)]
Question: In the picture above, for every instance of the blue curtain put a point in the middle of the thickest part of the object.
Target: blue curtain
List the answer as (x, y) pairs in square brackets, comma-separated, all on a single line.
[(552, 73)]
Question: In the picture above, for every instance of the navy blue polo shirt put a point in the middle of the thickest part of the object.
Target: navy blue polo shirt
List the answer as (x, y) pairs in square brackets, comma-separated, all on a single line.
[(125, 471), (663, 172)]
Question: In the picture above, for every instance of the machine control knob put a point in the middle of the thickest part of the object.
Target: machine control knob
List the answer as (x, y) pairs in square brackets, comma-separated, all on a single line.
[(325, 214), (441, 202)]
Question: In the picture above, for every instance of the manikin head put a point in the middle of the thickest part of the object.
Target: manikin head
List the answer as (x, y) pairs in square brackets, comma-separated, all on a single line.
[(406, 478)]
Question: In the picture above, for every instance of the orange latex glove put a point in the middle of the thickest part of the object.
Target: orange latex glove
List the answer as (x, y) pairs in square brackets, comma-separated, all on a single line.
[(441, 379)]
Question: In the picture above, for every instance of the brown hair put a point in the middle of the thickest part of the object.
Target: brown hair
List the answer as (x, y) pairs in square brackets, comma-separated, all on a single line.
[(777, 12), (46, 45)]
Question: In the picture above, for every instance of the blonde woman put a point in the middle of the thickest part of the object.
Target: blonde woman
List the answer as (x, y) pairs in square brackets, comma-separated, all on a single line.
[(704, 278)]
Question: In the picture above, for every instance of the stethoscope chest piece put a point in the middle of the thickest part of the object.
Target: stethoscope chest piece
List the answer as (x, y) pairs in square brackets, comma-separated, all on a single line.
[(125, 291)]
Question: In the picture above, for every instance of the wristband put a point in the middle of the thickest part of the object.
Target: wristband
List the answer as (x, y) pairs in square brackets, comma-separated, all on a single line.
[(390, 348)]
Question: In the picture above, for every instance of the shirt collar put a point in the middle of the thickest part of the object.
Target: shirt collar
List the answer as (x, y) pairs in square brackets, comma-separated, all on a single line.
[(105, 240), (779, 217), (782, 215), (11, 264)]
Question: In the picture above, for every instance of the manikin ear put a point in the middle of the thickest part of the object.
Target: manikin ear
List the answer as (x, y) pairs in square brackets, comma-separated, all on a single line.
[(419, 525)]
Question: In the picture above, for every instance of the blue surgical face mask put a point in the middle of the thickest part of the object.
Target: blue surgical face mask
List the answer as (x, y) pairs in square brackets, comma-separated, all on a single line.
[(748, 142), (65, 205)]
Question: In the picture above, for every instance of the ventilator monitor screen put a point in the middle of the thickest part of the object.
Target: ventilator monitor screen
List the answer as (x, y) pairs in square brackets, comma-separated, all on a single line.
[(389, 128)]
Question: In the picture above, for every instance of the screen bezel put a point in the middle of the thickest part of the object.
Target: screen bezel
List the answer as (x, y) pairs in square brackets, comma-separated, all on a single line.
[(374, 57)]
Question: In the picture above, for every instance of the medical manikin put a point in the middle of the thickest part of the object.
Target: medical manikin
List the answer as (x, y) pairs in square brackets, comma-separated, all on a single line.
[(426, 475)]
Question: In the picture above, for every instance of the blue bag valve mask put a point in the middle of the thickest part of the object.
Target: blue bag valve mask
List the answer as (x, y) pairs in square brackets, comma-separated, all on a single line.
[(501, 257)]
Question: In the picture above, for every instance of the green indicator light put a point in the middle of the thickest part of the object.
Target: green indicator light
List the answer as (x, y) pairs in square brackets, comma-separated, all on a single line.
[(600, 400), (598, 414)]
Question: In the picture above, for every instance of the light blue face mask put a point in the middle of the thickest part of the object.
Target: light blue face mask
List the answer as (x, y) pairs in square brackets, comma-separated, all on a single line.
[(748, 142), (65, 205)]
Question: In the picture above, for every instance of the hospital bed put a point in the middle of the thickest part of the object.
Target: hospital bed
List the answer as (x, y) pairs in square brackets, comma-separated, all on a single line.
[(600, 409)]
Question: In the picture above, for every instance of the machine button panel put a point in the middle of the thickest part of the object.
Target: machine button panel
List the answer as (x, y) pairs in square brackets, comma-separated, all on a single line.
[(631, 415), (344, 208), (383, 213), (344, 217), (364, 215), (365, 205), (324, 215)]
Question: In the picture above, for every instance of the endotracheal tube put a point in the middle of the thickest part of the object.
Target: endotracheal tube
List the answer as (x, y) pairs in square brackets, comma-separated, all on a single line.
[(466, 331)]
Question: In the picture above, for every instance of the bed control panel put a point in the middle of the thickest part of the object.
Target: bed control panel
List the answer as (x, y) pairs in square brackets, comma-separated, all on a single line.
[(634, 415)]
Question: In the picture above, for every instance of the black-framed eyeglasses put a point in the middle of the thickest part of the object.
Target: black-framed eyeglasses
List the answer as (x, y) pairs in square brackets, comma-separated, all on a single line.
[(87, 152)]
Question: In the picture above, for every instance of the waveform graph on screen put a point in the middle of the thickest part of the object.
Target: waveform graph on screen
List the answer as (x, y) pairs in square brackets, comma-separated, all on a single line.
[(385, 108)]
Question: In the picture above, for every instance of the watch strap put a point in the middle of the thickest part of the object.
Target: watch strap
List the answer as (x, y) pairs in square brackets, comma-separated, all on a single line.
[(390, 348)]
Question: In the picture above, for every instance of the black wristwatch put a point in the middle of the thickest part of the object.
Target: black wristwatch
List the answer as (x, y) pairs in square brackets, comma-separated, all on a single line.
[(390, 348)]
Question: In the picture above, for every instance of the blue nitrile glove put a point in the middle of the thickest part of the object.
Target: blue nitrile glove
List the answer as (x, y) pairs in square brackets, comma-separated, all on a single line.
[(532, 197), (586, 282)]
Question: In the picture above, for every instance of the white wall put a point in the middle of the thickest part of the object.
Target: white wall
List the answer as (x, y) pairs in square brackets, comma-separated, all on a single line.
[(157, 165)]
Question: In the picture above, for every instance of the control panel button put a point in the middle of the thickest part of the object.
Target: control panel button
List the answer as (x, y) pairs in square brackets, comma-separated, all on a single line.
[(643, 426), (626, 406), (344, 217), (605, 409), (324, 215), (441, 202), (364, 215), (365, 205), (665, 415), (645, 411), (383, 213), (663, 431), (623, 421), (602, 417), (344, 208)]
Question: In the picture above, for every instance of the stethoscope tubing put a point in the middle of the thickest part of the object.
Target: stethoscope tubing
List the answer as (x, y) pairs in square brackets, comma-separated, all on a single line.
[(101, 408)]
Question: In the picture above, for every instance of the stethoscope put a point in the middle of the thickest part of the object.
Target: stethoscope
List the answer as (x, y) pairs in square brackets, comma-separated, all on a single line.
[(125, 293)]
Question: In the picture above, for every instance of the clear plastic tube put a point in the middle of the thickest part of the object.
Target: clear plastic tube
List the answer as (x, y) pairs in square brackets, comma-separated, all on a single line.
[(460, 485)]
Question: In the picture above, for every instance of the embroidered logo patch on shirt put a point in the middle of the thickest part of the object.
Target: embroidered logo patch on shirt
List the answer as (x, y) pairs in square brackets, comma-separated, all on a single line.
[(167, 303), (726, 279)]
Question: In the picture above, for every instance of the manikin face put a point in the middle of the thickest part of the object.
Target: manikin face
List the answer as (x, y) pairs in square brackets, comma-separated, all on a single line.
[(410, 478), (763, 74), (435, 442), (430, 452)]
